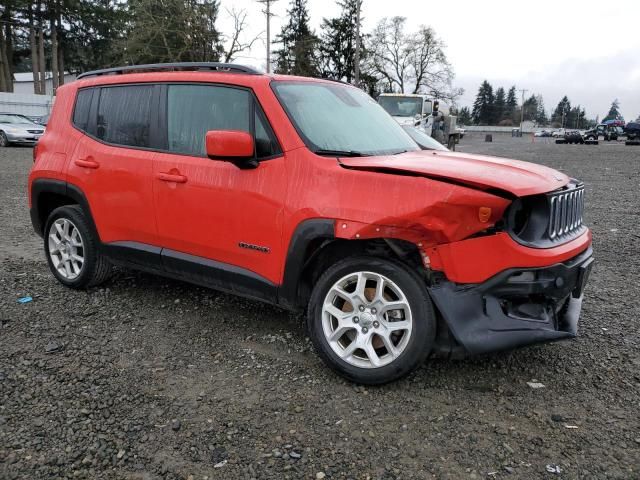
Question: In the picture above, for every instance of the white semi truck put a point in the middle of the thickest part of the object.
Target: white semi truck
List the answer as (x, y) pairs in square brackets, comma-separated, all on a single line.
[(421, 112)]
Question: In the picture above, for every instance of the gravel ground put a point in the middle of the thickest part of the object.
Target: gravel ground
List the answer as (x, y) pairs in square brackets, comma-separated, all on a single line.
[(155, 379)]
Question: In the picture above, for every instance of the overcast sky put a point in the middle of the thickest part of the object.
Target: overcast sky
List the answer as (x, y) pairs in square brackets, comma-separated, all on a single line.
[(587, 49)]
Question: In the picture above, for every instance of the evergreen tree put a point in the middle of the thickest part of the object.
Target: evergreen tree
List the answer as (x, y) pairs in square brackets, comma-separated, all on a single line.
[(614, 112), (560, 113), (338, 42), (171, 31), (464, 116), (512, 103), (530, 109), (483, 106), (298, 52), (541, 115), (499, 106)]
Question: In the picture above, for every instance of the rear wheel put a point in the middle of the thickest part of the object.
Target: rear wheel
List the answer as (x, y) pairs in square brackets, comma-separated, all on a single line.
[(4, 141), (371, 320), (72, 250)]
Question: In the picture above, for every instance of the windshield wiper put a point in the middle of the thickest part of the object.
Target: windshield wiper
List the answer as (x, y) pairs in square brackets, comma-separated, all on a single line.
[(340, 153)]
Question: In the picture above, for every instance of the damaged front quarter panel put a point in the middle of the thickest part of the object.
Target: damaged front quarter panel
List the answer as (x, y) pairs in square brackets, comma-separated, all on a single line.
[(452, 215)]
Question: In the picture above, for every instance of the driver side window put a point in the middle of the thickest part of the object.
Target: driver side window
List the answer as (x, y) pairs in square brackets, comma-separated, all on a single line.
[(193, 110)]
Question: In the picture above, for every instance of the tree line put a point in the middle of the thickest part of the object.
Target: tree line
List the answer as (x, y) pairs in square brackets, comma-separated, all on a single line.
[(502, 109), (78, 35)]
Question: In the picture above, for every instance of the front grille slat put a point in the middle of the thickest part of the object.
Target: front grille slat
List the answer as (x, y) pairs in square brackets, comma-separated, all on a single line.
[(565, 212)]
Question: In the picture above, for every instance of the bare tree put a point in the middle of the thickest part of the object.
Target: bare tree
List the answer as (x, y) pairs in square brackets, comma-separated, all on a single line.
[(238, 43), (390, 55), (411, 62)]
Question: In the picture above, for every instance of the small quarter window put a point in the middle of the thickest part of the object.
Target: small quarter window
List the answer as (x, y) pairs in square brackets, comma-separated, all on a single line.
[(82, 108), (266, 144)]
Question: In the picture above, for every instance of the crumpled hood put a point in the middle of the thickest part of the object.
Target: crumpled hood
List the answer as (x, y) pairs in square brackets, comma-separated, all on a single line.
[(479, 171)]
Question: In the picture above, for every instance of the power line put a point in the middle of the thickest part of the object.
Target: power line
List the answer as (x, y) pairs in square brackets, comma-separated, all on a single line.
[(267, 12), (522, 109)]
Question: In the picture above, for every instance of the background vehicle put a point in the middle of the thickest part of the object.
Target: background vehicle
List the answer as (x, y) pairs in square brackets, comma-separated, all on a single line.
[(573, 136), (632, 131), (610, 132), (558, 133), (418, 110), (43, 120), (18, 129), (542, 133), (305, 194)]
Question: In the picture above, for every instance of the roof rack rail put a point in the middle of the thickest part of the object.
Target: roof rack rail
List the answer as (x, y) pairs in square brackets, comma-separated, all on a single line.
[(180, 66)]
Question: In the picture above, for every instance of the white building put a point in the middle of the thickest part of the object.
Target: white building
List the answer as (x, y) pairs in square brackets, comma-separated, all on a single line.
[(23, 82)]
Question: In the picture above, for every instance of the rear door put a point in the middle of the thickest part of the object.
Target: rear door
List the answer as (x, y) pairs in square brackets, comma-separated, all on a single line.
[(112, 164), (215, 216)]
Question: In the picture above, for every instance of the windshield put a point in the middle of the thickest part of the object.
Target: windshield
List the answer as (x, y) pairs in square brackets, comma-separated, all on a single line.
[(401, 106), (8, 118), (342, 120), (423, 140)]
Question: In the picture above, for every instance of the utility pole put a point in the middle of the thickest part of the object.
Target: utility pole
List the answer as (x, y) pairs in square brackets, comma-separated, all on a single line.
[(267, 12), (522, 110), (356, 60)]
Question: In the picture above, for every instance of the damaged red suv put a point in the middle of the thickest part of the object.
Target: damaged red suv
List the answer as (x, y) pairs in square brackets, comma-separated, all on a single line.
[(306, 194)]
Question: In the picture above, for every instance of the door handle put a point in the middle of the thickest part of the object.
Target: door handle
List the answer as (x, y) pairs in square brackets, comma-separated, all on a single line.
[(172, 177), (87, 163)]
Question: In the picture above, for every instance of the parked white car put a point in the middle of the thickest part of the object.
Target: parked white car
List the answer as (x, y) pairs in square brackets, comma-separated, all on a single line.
[(18, 129)]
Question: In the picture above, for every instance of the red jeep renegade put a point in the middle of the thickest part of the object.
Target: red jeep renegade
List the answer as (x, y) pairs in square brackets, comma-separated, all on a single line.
[(306, 194)]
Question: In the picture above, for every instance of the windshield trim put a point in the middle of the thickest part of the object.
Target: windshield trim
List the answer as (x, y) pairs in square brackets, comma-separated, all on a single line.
[(307, 141)]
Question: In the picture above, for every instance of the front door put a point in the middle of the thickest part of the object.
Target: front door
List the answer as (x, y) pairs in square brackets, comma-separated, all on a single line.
[(214, 218)]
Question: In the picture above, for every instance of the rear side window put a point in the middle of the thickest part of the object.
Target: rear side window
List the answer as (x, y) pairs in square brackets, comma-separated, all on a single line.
[(124, 115), (82, 108)]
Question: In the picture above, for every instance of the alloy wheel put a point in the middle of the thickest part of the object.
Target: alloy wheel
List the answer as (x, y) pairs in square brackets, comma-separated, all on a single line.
[(66, 248), (366, 319)]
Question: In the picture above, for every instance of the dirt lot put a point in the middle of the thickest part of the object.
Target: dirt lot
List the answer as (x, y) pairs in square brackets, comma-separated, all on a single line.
[(155, 379)]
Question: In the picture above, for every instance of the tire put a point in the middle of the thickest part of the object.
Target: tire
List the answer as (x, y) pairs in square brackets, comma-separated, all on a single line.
[(67, 228), (397, 341), (4, 141)]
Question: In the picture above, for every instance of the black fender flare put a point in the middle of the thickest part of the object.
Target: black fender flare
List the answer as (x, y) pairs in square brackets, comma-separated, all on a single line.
[(62, 188), (306, 232)]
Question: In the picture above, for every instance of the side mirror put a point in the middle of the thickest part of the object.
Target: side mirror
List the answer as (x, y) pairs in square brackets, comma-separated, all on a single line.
[(232, 146)]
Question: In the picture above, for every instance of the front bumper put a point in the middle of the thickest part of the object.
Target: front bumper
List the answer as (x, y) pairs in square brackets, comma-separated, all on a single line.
[(516, 307), (25, 138)]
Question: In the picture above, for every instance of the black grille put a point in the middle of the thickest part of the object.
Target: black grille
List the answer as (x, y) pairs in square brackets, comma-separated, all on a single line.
[(35, 131), (543, 221), (565, 213)]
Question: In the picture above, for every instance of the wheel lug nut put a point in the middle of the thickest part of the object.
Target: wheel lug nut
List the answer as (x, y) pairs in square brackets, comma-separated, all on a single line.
[(365, 329), (356, 319), (361, 308), (373, 310), (376, 324)]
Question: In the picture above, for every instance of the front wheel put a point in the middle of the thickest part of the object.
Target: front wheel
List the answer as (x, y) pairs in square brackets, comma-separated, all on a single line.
[(4, 141), (371, 320)]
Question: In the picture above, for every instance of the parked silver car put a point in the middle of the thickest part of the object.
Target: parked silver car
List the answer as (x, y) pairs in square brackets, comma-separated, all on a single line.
[(15, 128)]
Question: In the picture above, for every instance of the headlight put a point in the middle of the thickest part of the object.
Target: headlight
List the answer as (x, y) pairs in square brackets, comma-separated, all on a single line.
[(11, 130)]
